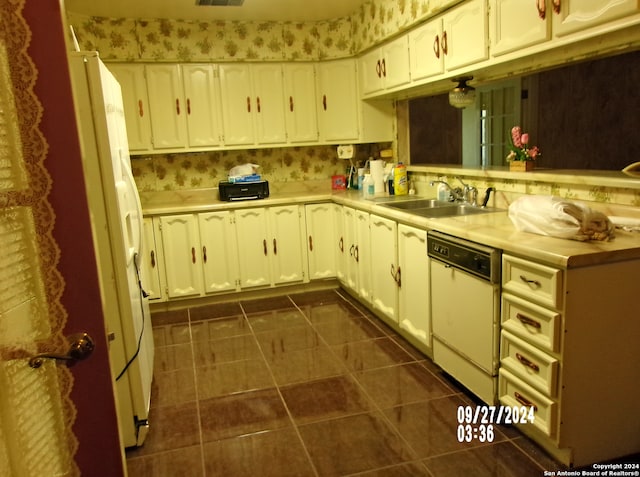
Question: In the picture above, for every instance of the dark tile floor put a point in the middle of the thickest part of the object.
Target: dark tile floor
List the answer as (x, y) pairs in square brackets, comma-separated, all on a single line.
[(307, 385)]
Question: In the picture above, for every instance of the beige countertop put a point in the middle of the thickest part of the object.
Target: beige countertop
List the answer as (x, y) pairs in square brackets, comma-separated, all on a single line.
[(492, 229)]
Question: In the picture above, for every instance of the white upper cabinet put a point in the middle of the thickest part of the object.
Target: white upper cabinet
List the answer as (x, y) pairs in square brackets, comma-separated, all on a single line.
[(300, 102), (424, 46), (136, 104), (338, 101), (385, 67), (252, 104), (570, 16), (464, 39), (167, 105), (457, 39), (516, 24), (202, 98)]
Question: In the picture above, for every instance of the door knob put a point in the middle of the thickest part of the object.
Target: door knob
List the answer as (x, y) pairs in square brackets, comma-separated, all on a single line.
[(81, 346)]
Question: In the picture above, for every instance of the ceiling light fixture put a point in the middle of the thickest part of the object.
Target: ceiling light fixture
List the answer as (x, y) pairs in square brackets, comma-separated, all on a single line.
[(462, 95)]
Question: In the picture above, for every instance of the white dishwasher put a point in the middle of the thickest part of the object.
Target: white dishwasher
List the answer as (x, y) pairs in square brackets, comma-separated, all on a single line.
[(465, 311)]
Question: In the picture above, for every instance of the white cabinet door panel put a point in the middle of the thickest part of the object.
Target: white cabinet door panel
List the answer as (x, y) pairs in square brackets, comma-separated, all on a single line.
[(219, 251), (182, 255)]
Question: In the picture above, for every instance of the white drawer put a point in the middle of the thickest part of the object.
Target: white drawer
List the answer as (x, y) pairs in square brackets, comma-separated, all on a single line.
[(535, 324), (514, 392), (533, 281), (535, 367)]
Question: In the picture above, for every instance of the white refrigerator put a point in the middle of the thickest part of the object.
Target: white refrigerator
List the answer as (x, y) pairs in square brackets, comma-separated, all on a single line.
[(116, 218)]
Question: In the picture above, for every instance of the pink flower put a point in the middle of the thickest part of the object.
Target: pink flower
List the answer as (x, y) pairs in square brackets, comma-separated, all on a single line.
[(524, 139), (533, 152), (516, 133)]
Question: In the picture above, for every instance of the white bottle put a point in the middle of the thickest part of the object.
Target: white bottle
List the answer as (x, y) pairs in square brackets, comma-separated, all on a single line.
[(368, 186), (443, 192)]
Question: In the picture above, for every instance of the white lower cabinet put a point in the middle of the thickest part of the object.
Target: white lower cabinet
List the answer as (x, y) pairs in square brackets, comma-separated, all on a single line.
[(321, 250), (286, 227), (200, 254), (181, 242), (356, 243), (413, 291), (384, 266), (565, 352), (151, 260), (219, 251), (270, 246)]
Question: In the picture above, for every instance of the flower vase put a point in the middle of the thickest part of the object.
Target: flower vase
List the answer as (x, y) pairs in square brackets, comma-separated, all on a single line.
[(522, 166)]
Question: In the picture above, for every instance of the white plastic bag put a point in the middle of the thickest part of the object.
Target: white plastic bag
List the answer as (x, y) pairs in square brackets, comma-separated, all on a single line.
[(556, 217), (243, 170)]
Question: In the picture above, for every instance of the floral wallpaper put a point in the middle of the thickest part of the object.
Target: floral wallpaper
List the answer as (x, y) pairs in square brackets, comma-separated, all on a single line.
[(128, 39), (159, 172)]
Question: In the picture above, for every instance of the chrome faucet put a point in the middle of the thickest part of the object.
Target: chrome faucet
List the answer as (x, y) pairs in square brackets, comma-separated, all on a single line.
[(470, 193), (454, 193)]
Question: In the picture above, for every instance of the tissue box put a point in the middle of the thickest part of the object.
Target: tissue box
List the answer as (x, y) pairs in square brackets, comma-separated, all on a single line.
[(246, 178)]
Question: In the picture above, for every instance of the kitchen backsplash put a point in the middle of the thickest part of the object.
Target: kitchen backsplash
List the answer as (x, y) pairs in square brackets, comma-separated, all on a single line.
[(573, 187), (160, 172), (127, 39)]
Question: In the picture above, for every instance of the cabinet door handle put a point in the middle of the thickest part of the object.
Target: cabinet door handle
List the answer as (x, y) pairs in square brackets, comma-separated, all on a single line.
[(351, 249), (188, 106), (275, 247), (140, 108), (204, 254), (310, 243), (177, 106), (445, 49), (524, 401), (193, 254), (378, 69), (153, 259), (384, 68), (264, 246), (357, 254), (341, 244), (542, 8), (291, 103), (556, 6), (530, 282), (248, 104), (528, 362), (324, 101), (528, 321), (395, 274), (436, 46), (258, 103)]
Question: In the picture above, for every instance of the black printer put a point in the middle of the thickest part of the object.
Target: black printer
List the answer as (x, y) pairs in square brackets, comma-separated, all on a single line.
[(231, 191)]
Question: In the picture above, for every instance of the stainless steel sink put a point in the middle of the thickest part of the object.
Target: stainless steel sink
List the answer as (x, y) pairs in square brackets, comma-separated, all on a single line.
[(436, 208), (419, 204)]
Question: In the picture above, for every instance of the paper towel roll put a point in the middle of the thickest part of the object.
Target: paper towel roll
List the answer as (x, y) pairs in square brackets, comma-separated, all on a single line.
[(377, 174)]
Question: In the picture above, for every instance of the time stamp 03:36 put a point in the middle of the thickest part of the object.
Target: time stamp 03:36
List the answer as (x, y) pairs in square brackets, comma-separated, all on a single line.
[(477, 422)]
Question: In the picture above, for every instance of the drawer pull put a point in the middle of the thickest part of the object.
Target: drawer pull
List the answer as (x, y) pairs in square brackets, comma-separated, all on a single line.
[(524, 401), (527, 321), (528, 362), (530, 282), (264, 247), (341, 244), (193, 254)]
